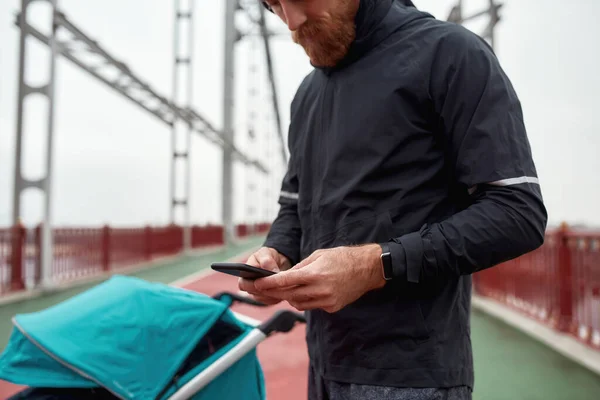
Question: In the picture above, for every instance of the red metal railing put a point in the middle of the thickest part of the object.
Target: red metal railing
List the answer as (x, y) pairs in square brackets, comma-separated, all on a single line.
[(6, 271), (207, 236), (558, 284), (83, 252), (16, 256), (77, 253)]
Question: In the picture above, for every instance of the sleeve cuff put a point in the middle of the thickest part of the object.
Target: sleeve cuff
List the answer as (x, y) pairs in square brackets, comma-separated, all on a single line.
[(407, 256), (398, 260)]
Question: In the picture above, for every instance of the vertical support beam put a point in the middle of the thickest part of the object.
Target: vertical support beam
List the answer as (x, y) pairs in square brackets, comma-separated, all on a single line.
[(564, 281), (228, 114), (271, 73), (17, 265), (252, 104), (187, 230), (148, 242), (18, 177), (106, 248), (494, 19), (45, 183), (182, 59), (37, 243), (47, 238), (268, 178), (174, 93)]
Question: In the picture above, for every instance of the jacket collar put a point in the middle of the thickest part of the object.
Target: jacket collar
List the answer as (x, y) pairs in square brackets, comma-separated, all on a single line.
[(370, 30)]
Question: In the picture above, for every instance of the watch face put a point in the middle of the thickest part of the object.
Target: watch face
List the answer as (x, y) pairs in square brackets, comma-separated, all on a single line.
[(387, 265)]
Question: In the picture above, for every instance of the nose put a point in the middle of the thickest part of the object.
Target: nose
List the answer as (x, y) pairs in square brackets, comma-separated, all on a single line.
[(293, 15)]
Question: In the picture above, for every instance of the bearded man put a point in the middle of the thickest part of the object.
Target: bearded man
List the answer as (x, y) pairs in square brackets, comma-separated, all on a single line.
[(410, 169)]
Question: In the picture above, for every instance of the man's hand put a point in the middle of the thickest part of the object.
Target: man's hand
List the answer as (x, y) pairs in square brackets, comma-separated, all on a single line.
[(265, 258), (328, 279)]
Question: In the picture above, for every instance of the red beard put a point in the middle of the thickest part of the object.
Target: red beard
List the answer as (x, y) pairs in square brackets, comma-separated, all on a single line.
[(326, 41)]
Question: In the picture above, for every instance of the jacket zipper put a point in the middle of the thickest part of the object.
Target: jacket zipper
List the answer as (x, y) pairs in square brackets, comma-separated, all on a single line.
[(319, 149)]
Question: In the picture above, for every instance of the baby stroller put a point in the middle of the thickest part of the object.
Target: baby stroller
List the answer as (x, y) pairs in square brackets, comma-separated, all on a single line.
[(128, 338)]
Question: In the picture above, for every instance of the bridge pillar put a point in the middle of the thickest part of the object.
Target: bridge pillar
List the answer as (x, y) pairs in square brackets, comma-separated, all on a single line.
[(44, 183), (231, 37)]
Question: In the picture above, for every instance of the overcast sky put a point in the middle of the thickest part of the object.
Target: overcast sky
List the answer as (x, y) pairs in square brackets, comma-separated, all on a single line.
[(112, 158)]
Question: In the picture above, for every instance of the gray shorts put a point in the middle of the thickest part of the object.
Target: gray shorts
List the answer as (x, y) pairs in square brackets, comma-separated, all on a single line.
[(321, 389)]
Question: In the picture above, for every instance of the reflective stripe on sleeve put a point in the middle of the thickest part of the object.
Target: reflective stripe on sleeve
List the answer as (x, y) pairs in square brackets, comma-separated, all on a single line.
[(516, 181), (509, 182), (289, 195)]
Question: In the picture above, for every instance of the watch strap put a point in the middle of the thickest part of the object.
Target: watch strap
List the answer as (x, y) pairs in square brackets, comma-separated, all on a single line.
[(386, 261)]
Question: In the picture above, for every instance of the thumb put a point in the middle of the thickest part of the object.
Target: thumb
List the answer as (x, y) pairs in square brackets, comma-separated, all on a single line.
[(266, 261)]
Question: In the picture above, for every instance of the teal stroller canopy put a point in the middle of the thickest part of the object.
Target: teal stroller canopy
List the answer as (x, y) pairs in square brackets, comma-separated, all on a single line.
[(140, 340)]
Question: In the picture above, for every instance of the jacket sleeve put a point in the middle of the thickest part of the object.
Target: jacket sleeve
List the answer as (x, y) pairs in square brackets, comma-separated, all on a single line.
[(481, 122), (285, 233)]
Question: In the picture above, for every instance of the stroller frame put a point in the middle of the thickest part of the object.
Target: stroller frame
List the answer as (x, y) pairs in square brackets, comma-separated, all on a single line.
[(282, 321)]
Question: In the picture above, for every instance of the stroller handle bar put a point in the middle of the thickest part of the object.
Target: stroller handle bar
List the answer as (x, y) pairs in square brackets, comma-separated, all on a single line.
[(239, 299), (281, 321)]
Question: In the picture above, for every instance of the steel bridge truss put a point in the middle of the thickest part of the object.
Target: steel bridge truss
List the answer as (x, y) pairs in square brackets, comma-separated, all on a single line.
[(69, 41), (492, 12)]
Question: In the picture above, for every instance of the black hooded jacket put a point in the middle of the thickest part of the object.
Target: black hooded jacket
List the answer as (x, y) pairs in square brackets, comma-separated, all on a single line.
[(416, 138)]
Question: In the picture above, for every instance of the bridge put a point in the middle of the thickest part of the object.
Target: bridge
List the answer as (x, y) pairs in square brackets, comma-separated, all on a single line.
[(189, 191)]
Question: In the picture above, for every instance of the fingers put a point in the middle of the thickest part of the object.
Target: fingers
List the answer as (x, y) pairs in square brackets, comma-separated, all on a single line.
[(323, 300), (305, 300), (292, 277), (285, 285), (298, 293), (260, 259), (298, 275), (311, 305), (253, 261), (265, 300), (247, 285)]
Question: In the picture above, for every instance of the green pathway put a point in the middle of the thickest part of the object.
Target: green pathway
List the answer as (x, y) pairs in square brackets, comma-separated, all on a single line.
[(165, 272), (510, 365)]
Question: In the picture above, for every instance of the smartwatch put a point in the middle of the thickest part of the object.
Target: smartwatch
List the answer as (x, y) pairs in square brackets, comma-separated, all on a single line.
[(386, 261)]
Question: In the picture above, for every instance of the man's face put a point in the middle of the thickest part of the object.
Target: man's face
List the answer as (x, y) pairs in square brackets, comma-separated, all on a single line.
[(324, 28)]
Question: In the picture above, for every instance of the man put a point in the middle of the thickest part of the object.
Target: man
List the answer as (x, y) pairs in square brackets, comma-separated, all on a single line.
[(410, 170)]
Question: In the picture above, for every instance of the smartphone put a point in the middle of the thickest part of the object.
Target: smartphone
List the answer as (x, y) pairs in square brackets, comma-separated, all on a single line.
[(241, 270)]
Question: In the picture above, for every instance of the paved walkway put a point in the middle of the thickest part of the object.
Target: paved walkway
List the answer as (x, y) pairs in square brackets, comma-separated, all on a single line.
[(509, 364)]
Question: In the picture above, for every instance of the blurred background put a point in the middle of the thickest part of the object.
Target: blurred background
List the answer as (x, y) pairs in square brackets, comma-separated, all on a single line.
[(112, 158), (119, 197)]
